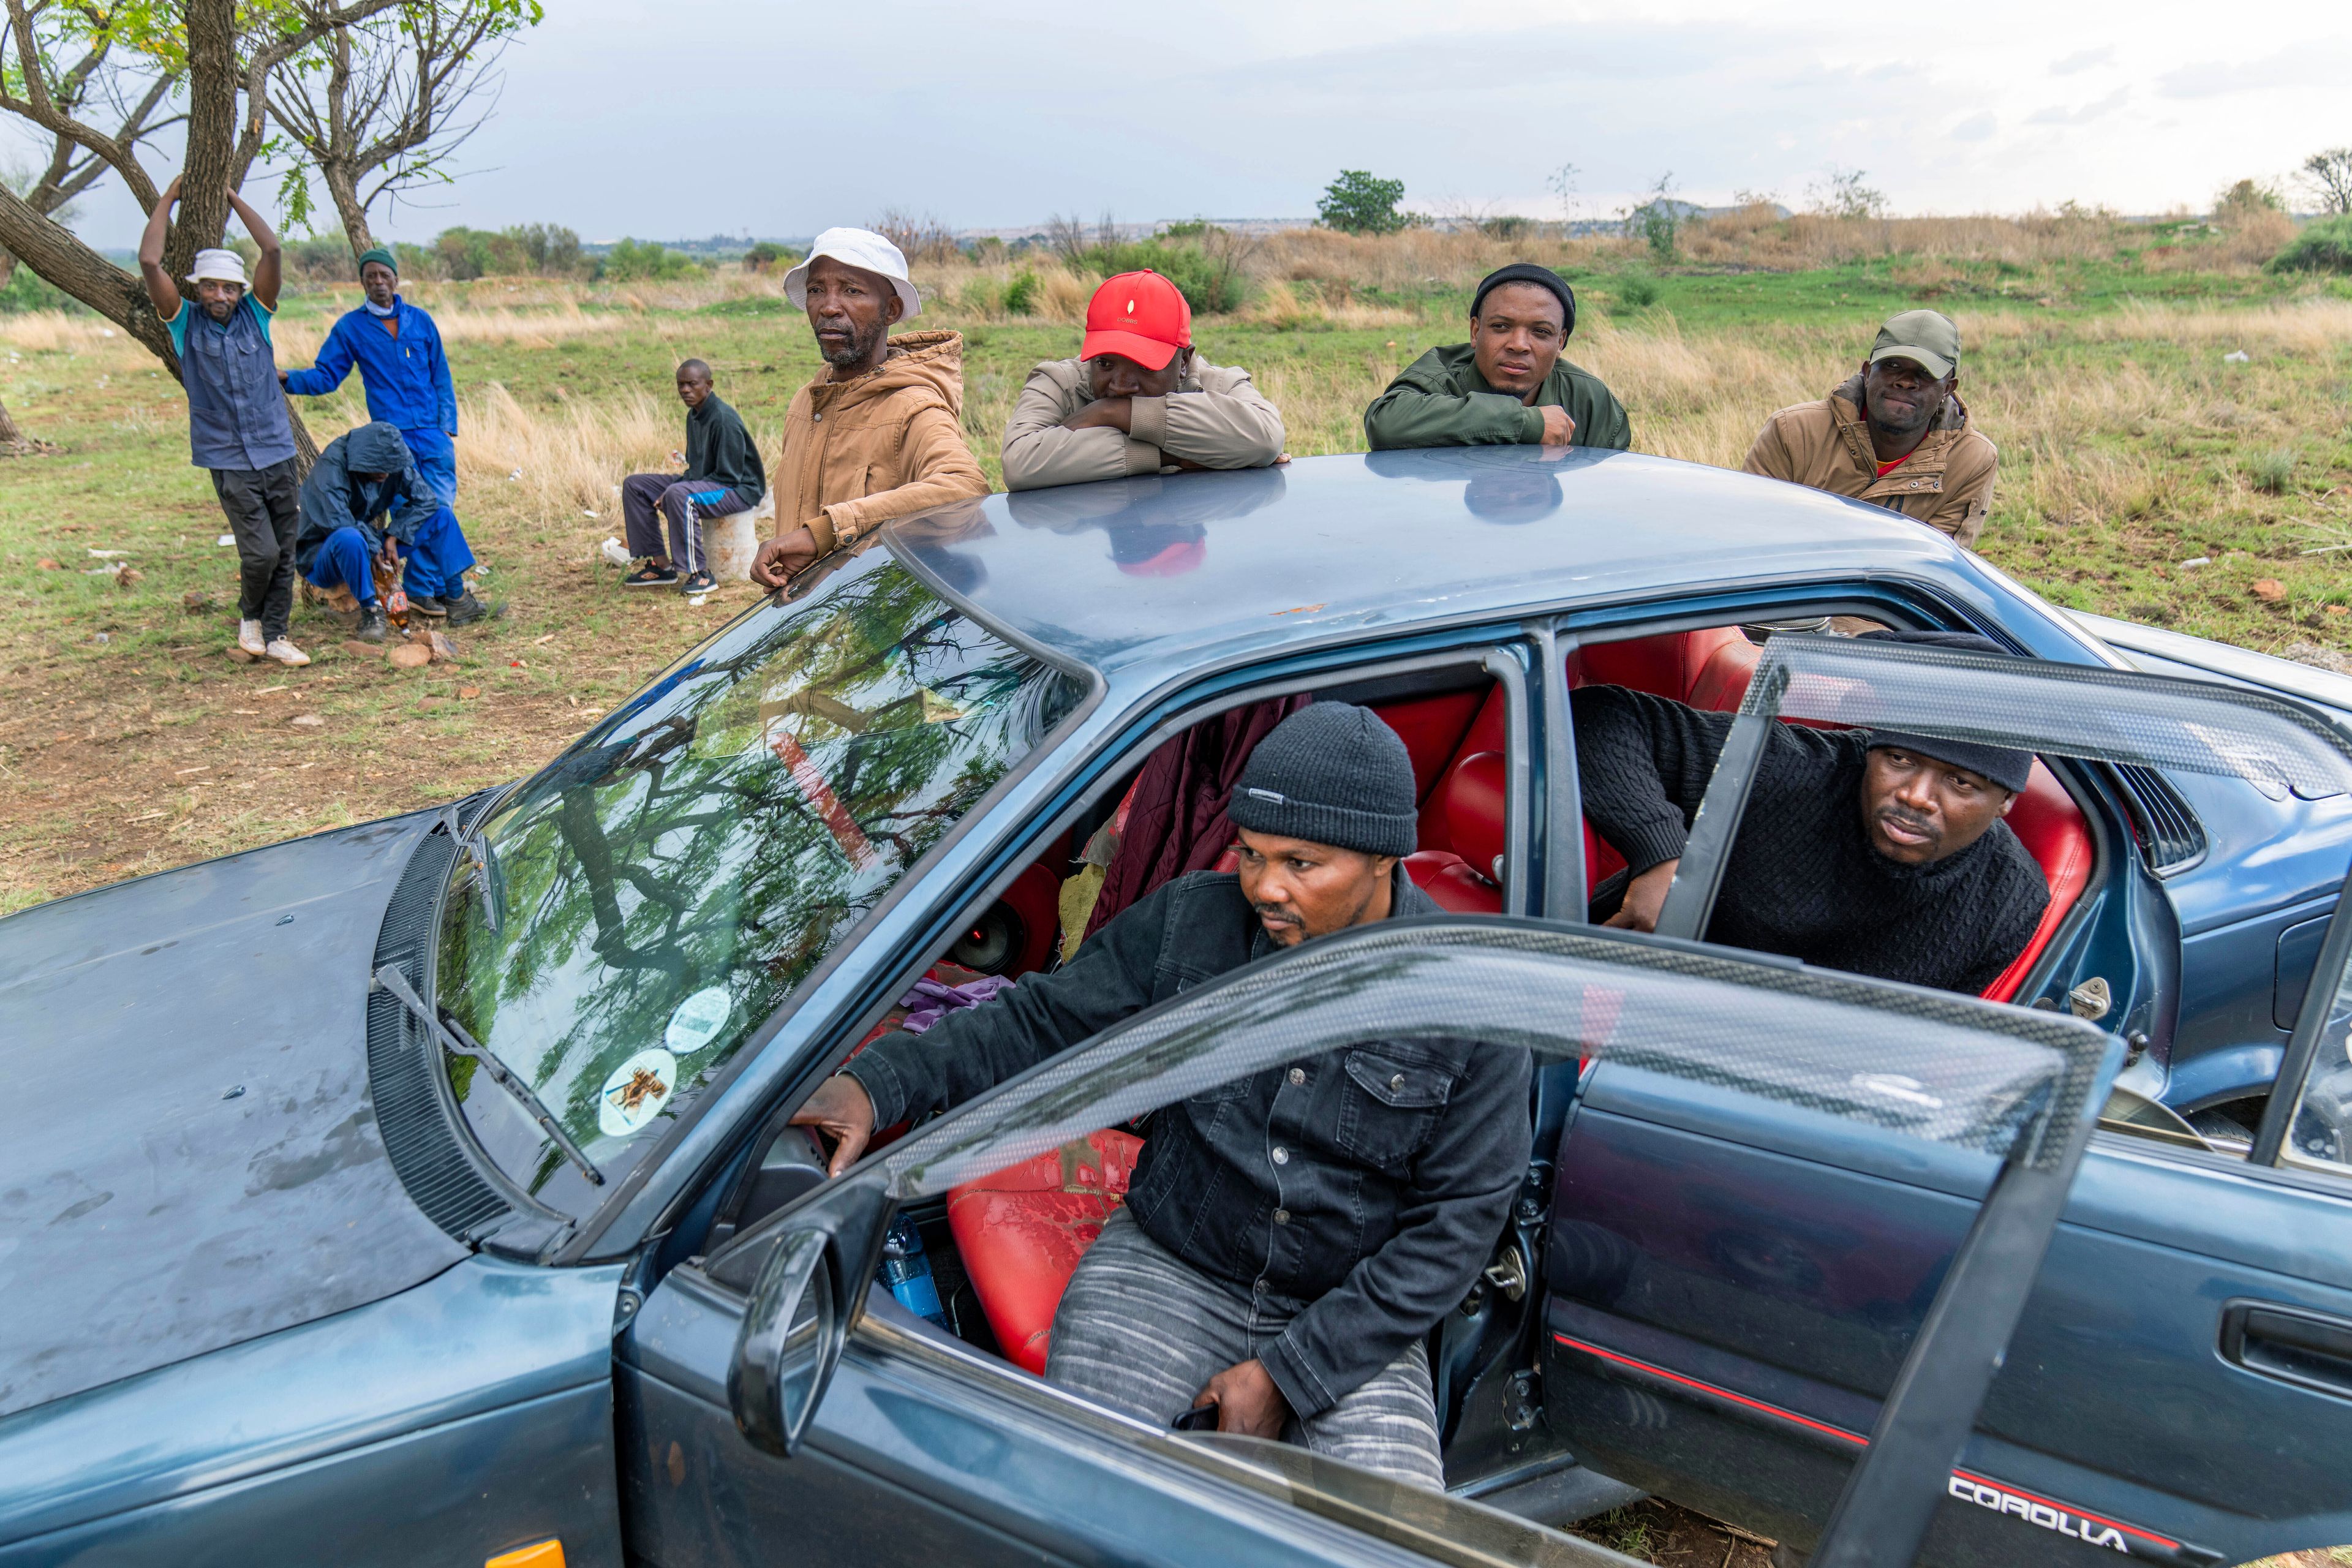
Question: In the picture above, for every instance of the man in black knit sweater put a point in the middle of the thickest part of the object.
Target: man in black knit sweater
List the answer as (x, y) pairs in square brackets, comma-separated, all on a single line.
[(1864, 851)]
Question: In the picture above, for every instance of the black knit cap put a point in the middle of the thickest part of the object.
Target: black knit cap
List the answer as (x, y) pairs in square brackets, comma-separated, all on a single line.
[(1528, 272), (1331, 773), (2010, 769)]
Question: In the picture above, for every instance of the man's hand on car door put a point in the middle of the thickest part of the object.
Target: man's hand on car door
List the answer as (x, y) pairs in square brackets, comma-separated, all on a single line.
[(841, 1110), (1645, 896)]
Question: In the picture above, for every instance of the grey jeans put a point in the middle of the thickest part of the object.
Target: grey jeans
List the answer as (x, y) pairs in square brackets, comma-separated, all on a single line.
[(1142, 1332)]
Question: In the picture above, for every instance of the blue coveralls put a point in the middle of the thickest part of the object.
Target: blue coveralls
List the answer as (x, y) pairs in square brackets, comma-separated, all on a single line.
[(341, 510), (406, 378)]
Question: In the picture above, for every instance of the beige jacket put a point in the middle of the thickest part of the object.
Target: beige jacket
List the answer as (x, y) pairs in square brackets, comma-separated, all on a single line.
[(1946, 483), (860, 452), (1215, 419)]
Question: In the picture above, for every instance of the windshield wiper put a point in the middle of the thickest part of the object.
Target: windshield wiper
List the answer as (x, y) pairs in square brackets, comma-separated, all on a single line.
[(455, 1040)]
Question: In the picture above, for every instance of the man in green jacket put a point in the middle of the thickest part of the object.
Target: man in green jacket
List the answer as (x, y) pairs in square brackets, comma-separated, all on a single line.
[(1507, 384)]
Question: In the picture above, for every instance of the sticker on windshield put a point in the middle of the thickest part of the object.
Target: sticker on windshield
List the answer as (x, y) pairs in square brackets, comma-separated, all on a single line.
[(697, 1020), (637, 1090)]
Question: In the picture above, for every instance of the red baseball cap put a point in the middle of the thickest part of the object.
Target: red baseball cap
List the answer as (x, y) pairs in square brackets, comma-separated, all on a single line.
[(1140, 316)]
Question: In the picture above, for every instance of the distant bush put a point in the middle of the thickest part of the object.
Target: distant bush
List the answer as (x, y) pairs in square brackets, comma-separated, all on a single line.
[(1509, 226), (765, 257), (652, 261), (1358, 202), (321, 259), (1021, 294), (1211, 284), (2322, 247), (24, 292), (1635, 292), (461, 254)]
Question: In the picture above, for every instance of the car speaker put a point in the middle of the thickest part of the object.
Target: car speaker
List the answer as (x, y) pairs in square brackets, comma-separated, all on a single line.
[(993, 943)]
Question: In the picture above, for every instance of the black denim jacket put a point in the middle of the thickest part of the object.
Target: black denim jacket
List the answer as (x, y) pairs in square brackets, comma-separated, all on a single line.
[(1369, 1183)]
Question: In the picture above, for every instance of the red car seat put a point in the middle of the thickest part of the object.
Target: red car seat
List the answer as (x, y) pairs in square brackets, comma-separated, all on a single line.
[(2049, 825), (1021, 1231), (1467, 879)]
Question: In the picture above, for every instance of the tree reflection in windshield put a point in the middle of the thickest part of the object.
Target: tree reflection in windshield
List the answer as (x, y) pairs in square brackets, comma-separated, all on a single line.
[(664, 885)]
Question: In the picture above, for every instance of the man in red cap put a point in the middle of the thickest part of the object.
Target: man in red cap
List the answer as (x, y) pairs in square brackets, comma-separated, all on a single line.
[(1137, 400)]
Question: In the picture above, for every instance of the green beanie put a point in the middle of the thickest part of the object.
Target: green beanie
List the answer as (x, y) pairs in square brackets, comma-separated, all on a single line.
[(378, 253)]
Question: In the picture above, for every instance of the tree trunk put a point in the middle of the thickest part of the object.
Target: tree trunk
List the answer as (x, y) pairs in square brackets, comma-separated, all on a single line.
[(344, 187), (12, 440), (54, 254), (212, 134)]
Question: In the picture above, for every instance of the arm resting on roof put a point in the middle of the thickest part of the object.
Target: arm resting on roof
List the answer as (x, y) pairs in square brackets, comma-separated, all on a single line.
[(1231, 427), (1039, 452), (1462, 1184), (1405, 416), (941, 469)]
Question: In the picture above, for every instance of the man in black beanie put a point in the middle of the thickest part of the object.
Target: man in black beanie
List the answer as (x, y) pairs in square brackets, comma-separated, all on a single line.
[(1508, 384), (1872, 851), (1288, 1239)]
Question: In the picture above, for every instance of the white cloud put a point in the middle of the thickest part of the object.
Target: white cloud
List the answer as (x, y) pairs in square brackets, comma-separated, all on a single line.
[(2083, 114), (2084, 60), (1975, 128)]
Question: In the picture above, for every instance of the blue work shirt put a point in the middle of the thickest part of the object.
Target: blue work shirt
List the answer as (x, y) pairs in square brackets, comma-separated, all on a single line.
[(237, 415), (403, 372)]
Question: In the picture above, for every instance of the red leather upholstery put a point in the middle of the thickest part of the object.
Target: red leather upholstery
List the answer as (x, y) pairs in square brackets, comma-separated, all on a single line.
[(1021, 1231), (1674, 664), (2049, 825), (1465, 879)]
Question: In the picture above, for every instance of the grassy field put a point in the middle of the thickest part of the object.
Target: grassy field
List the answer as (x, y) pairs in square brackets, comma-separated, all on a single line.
[(2132, 442)]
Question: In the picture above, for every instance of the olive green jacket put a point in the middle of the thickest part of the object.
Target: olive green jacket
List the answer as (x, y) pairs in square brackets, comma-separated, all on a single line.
[(1441, 400)]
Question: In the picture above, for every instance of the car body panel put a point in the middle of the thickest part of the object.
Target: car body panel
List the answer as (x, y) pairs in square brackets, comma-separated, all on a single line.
[(474, 1410), (203, 1166)]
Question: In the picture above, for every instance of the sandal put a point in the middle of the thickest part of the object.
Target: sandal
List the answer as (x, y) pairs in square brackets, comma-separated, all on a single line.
[(650, 575), (699, 583)]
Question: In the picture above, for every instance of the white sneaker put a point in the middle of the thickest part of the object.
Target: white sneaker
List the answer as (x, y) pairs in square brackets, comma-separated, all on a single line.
[(248, 637), (284, 651)]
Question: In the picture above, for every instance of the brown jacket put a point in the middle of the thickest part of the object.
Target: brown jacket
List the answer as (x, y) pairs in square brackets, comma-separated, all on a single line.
[(860, 452), (1946, 483)]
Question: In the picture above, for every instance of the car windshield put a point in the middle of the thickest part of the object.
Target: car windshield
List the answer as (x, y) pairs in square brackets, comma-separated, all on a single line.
[(630, 915)]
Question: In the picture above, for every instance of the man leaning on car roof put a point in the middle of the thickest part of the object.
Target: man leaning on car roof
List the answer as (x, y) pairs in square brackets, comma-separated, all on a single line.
[(1137, 400), (1508, 385), (1894, 433), (879, 435)]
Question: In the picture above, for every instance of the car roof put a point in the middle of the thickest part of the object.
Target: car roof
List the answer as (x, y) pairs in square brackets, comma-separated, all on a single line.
[(1114, 573)]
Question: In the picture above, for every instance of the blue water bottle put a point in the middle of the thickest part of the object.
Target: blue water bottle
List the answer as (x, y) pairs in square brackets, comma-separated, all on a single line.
[(909, 1273)]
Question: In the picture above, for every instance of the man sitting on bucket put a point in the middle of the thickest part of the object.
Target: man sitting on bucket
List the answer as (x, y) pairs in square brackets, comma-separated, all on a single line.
[(1137, 400), (1289, 1239)]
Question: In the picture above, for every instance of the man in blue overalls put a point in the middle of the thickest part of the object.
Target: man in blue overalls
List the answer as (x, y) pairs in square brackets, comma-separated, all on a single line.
[(237, 426), (406, 378), (363, 493)]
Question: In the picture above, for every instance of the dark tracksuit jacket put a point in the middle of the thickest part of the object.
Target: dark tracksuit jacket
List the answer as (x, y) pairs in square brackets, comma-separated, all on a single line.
[(719, 449), (1441, 400), (1392, 1164), (1803, 880)]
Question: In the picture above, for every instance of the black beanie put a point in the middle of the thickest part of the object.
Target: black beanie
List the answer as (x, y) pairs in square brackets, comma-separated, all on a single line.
[(2010, 769), (1331, 773), (1528, 272)]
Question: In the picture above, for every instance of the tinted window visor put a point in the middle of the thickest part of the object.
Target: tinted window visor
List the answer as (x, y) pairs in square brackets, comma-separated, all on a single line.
[(2018, 1087), (628, 917), (2052, 710)]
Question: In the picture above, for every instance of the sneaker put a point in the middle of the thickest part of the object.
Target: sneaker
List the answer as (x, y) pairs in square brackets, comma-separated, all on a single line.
[(428, 605), (697, 583), (372, 627), (465, 609), (249, 638), (284, 651), (651, 575)]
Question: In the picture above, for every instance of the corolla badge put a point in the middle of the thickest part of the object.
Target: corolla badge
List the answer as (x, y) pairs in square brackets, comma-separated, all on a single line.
[(697, 1020), (636, 1092)]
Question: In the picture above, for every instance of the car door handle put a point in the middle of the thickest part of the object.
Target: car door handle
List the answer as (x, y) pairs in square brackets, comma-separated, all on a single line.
[(2311, 1349)]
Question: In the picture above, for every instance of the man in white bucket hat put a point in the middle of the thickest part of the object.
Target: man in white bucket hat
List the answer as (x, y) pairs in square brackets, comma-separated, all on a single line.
[(237, 426), (880, 434)]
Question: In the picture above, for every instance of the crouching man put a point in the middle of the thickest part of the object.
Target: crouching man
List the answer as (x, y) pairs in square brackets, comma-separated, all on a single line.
[(1289, 1239), (1137, 400), (364, 493)]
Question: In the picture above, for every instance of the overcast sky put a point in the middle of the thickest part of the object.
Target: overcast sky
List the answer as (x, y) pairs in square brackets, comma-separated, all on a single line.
[(670, 119)]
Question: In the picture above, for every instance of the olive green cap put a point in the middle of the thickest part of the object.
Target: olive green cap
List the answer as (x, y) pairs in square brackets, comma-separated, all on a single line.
[(1926, 337)]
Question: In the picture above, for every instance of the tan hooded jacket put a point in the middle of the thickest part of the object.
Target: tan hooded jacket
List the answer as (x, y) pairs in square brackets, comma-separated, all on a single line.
[(1215, 419), (860, 452), (1946, 483)]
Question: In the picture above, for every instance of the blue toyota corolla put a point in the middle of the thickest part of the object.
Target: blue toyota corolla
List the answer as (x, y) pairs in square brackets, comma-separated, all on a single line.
[(423, 1191)]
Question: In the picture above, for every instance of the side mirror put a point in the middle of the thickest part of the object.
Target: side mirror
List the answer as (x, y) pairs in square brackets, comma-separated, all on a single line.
[(784, 1352)]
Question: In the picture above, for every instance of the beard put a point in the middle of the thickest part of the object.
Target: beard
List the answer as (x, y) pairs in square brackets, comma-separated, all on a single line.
[(861, 343)]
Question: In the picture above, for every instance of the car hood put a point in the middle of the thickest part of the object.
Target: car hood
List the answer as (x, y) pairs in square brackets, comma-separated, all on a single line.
[(191, 1158)]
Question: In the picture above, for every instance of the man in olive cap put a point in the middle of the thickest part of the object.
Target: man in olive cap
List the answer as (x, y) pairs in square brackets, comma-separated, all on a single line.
[(1894, 433), (1290, 1238), (1508, 384), (405, 376)]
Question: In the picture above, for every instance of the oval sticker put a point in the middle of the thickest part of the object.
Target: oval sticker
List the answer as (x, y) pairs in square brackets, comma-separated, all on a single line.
[(697, 1020), (635, 1091)]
